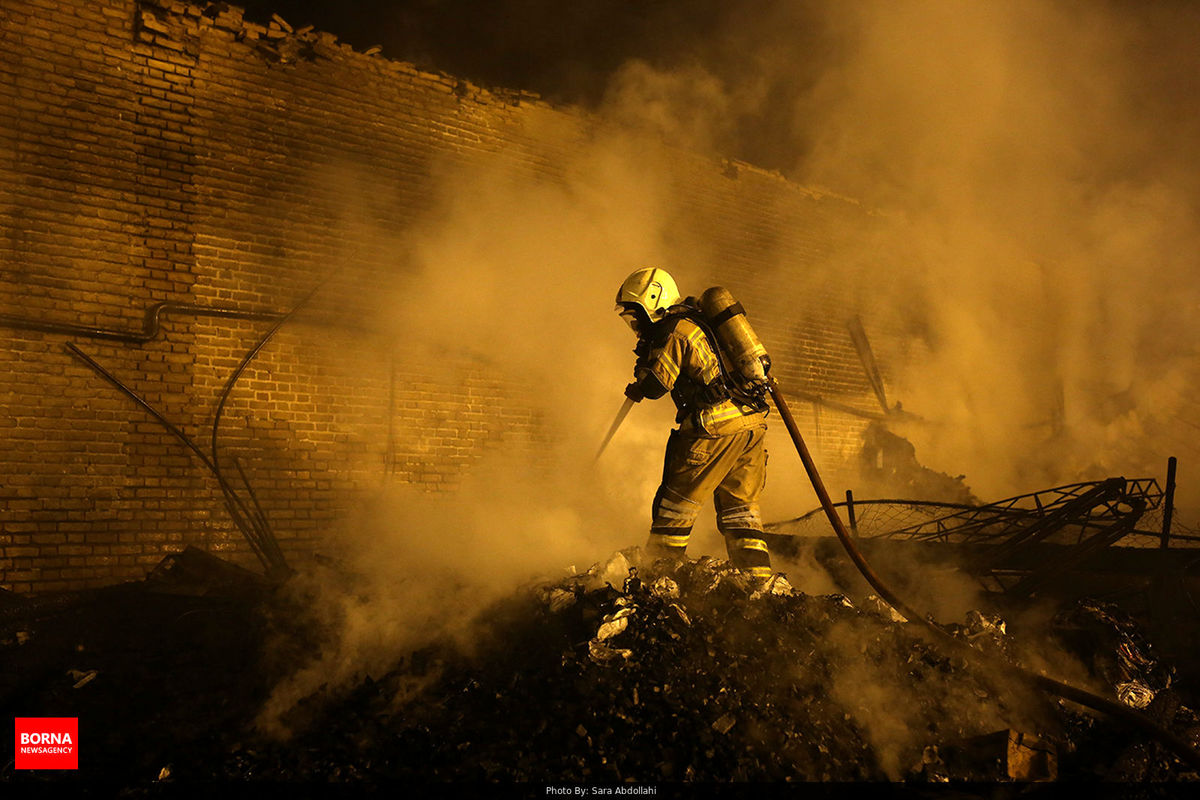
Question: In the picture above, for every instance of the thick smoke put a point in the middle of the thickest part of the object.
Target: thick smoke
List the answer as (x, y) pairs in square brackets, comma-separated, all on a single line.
[(1048, 191), (515, 275), (1035, 164)]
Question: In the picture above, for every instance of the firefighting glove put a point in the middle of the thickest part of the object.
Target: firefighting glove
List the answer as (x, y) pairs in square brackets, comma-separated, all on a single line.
[(634, 392)]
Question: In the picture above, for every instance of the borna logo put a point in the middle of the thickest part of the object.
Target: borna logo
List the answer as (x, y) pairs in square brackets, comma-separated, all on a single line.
[(47, 743)]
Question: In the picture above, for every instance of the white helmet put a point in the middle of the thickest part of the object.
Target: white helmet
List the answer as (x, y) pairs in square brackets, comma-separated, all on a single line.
[(651, 289)]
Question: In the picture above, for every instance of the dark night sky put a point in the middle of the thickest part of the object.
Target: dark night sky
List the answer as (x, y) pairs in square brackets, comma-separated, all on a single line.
[(767, 55), (564, 49), (568, 51)]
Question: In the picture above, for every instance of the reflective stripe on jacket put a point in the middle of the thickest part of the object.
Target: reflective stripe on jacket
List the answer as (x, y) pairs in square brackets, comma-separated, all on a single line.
[(682, 360)]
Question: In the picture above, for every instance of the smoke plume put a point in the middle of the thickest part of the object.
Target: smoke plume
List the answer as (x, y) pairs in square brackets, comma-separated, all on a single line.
[(1047, 191), (513, 274), (1034, 166)]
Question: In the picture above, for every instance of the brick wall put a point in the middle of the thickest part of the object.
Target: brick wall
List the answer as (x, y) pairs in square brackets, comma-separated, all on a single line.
[(159, 152)]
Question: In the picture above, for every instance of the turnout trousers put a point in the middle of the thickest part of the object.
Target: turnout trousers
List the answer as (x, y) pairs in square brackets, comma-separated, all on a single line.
[(733, 469)]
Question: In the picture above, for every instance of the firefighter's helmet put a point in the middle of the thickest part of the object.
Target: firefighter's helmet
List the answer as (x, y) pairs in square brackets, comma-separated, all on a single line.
[(650, 289)]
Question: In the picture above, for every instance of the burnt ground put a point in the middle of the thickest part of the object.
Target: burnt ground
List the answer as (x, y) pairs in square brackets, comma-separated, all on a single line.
[(684, 676)]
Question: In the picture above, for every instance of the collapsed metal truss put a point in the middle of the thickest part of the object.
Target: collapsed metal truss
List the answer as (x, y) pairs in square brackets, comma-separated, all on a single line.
[(1018, 544), (1032, 517), (925, 520)]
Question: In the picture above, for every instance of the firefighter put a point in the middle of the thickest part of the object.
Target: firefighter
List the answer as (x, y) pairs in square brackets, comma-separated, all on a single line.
[(718, 446)]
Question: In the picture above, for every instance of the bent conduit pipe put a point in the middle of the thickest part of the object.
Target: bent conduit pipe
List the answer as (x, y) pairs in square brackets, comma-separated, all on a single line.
[(151, 322), (233, 504), (1185, 751), (278, 567)]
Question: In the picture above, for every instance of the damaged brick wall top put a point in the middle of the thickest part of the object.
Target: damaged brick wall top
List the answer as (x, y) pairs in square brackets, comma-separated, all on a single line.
[(162, 152)]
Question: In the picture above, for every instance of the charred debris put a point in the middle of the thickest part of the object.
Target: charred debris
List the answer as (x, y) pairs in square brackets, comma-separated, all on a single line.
[(627, 672), (654, 673)]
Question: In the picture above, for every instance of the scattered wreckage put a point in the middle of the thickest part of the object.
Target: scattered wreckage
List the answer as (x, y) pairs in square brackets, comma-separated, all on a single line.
[(1022, 544), (630, 672), (627, 672)]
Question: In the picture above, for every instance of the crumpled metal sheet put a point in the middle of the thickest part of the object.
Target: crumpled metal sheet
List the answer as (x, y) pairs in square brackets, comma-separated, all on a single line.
[(979, 624), (1116, 646), (603, 653), (665, 588), (614, 623), (874, 604), (1135, 694)]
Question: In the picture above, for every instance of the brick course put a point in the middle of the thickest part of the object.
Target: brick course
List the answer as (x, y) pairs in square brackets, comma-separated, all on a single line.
[(154, 151)]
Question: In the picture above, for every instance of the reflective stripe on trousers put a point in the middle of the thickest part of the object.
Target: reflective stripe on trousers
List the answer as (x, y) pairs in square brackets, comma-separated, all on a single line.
[(732, 469)]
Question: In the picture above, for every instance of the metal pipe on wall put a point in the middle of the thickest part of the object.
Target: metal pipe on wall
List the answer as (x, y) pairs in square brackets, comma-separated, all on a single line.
[(151, 322)]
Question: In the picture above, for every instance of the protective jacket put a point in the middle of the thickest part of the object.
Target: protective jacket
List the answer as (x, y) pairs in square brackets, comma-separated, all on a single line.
[(678, 357), (718, 449)]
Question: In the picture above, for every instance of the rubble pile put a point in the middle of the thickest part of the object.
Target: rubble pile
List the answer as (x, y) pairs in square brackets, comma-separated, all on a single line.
[(689, 672), (665, 672)]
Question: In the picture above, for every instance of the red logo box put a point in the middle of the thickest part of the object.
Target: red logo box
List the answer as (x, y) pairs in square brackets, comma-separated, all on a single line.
[(47, 743)]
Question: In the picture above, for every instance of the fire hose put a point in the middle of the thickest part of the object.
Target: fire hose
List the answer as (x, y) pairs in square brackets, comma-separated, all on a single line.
[(1186, 752)]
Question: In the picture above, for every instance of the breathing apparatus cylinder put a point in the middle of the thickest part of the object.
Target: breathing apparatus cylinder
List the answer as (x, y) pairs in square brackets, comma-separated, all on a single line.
[(748, 359)]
